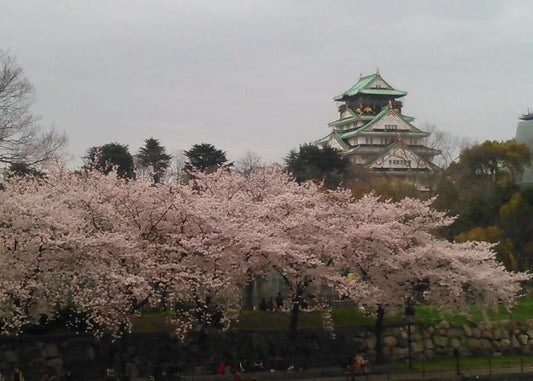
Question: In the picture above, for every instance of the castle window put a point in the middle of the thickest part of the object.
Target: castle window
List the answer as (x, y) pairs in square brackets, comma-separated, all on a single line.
[(391, 127), (368, 140), (406, 163)]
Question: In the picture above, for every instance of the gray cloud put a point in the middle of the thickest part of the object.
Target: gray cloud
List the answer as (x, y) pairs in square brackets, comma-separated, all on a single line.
[(260, 75)]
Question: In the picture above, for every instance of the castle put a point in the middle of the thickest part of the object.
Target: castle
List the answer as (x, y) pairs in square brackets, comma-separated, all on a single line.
[(372, 132)]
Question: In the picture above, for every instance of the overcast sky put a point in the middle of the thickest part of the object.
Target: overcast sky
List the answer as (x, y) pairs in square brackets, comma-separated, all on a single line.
[(260, 75)]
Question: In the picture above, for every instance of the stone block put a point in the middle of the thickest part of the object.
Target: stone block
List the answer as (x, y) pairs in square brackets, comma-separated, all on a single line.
[(455, 343), (440, 341), (505, 343), (417, 346), (455, 332), (523, 339), (485, 343), (390, 341), (400, 353), (403, 342), (473, 343), (371, 342)]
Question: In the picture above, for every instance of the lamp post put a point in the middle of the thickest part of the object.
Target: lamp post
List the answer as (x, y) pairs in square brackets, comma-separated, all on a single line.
[(409, 319)]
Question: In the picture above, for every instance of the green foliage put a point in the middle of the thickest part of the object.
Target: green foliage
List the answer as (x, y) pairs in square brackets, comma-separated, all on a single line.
[(23, 169), (482, 189), (205, 157), (110, 156), (491, 162), (154, 157), (394, 189), (343, 317), (153, 322), (432, 315), (480, 233), (442, 364), (313, 163)]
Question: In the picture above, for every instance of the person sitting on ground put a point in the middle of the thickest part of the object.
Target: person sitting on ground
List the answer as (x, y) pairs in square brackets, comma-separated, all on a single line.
[(279, 301), (221, 367), (361, 363)]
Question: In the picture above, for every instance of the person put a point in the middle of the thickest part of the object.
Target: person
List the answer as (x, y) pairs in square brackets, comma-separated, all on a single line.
[(67, 376), (352, 368), (258, 366), (360, 363), (263, 305), (279, 301), (221, 367), (270, 304), (17, 375), (236, 370)]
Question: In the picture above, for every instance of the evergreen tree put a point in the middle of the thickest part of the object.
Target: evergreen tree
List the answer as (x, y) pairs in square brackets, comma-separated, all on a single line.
[(109, 156), (314, 163), (23, 169), (154, 157), (205, 157)]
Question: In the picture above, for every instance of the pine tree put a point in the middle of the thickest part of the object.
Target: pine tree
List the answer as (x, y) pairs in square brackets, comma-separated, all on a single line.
[(205, 157), (154, 157)]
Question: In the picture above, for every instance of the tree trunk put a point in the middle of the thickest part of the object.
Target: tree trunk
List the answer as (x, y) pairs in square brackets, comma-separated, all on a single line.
[(294, 318), (249, 296), (379, 334)]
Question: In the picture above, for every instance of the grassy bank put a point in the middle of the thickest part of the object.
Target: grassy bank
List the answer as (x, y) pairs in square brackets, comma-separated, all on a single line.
[(466, 363), (343, 317)]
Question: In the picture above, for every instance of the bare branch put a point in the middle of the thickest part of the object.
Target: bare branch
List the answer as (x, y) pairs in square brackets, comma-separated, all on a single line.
[(21, 138)]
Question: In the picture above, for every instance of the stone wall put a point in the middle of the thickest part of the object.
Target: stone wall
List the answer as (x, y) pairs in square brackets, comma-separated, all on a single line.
[(491, 338), (141, 355)]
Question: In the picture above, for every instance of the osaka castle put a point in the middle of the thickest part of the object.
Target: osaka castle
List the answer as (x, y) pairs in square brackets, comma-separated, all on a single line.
[(371, 130)]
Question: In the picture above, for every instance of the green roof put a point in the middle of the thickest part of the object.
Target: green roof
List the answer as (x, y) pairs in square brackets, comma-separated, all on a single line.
[(335, 135), (364, 149), (384, 112), (419, 150), (351, 119), (363, 87), (325, 139), (408, 119)]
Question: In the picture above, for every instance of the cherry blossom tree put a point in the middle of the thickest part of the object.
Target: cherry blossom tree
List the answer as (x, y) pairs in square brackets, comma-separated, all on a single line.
[(394, 253), (106, 247), (311, 237), (87, 241)]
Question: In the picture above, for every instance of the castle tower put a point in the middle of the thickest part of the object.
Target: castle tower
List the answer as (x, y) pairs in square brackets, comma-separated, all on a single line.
[(371, 130)]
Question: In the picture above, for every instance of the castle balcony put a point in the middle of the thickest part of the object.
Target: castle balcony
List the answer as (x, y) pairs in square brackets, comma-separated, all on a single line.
[(397, 105)]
